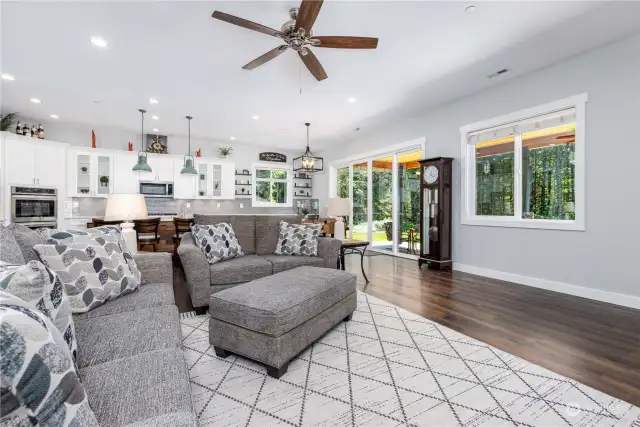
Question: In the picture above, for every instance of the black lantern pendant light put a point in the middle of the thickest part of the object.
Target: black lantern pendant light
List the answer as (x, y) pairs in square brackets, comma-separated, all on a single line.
[(308, 162), (142, 165), (188, 168)]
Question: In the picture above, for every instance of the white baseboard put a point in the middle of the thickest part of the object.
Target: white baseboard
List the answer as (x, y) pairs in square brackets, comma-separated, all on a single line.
[(565, 288)]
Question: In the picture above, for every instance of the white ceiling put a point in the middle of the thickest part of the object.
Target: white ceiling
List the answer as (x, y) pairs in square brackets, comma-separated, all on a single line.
[(428, 53)]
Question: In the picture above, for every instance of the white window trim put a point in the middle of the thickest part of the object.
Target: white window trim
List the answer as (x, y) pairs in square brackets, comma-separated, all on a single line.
[(271, 166), (467, 211)]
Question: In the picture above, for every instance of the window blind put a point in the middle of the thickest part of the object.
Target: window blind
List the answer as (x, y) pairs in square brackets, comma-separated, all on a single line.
[(557, 118)]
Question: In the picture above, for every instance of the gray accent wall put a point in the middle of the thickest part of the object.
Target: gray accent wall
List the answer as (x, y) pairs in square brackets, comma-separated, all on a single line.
[(604, 257)]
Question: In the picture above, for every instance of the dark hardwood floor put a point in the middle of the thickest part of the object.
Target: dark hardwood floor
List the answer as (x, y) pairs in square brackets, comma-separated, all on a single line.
[(595, 343)]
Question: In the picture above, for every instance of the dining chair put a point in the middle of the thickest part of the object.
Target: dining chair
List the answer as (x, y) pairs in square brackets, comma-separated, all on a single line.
[(147, 232)]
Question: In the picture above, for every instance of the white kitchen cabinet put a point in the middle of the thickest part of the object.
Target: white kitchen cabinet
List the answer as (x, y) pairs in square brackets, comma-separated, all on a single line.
[(215, 179), (126, 181), (161, 166), (29, 161), (90, 173), (184, 186)]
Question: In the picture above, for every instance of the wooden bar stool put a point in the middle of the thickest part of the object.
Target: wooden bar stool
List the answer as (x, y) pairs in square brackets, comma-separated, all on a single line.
[(97, 222), (183, 225), (147, 232)]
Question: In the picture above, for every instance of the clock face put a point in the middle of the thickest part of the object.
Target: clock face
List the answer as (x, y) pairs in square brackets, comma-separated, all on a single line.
[(430, 174)]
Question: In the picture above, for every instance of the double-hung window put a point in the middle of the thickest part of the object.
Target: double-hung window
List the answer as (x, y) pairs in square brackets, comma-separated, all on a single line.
[(272, 186), (526, 169)]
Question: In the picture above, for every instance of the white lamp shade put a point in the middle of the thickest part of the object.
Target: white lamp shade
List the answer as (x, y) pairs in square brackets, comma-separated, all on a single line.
[(125, 207), (339, 207)]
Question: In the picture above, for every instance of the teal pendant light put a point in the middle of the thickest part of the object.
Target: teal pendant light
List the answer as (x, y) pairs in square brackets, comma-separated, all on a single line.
[(142, 165), (188, 168)]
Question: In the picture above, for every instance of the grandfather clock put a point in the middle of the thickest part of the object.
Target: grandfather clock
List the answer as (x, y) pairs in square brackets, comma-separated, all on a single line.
[(435, 213)]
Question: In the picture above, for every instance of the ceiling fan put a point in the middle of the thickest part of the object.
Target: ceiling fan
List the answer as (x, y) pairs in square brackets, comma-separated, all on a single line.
[(297, 34)]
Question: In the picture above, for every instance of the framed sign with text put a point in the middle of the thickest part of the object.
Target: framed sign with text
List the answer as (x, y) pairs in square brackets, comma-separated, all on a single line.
[(273, 157)]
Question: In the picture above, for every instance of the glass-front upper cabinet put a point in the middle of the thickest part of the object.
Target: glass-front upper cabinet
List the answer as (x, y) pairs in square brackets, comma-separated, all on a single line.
[(203, 178), (83, 173), (92, 173), (217, 181), (104, 175)]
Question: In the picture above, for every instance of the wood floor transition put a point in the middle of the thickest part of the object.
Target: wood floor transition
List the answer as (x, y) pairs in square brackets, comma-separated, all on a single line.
[(595, 343)]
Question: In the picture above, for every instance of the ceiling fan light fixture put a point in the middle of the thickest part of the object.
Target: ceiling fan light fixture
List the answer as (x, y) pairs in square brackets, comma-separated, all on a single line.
[(308, 161)]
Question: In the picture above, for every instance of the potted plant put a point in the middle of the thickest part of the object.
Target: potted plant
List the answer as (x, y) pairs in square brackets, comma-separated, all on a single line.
[(242, 190), (84, 169), (201, 193), (104, 181), (7, 121), (225, 152)]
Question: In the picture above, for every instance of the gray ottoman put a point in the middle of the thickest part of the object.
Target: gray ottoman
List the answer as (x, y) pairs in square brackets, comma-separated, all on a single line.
[(274, 318)]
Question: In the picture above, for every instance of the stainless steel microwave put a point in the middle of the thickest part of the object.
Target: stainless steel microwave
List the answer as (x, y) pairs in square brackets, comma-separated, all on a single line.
[(156, 189)]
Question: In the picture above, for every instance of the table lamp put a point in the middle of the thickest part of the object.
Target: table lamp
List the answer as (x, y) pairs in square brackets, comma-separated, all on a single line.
[(339, 207), (126, 207)]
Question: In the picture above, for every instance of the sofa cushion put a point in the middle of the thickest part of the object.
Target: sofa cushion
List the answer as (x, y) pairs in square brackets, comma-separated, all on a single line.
[(175, 419), (218, 242), (26, 239), (106, 338), (149, 295), (267, 231), (243, 225), (276, 304), (39, 381), (239, 270), (93, 272), (9, 248), (139, 387), (298, 239), (283, 263), (41, 289)]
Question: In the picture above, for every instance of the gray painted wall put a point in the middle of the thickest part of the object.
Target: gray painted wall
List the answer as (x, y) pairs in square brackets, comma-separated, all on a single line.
[(606, 255)]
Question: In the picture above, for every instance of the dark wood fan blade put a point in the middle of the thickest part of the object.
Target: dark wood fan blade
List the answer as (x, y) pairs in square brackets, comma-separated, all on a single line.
[(313, 65), (244, 23), (307, 14), (345, 42), (266, 57)]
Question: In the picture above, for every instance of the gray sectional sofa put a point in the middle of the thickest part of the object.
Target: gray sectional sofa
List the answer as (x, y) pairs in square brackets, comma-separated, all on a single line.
[(258, 236), (130, 357)]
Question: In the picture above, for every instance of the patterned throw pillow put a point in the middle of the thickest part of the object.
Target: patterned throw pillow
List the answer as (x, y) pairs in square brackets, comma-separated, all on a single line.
[(298, 239), (9, 249), (40, 288), (92, 272), (59, 237), (39, 382), (218, 241)]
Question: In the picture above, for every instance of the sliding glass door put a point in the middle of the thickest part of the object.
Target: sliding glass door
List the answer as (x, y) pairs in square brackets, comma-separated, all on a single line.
[(385, 197)]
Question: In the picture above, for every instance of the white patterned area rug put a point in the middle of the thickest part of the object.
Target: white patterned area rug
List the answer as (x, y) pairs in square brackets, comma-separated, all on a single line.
[(389, 367)]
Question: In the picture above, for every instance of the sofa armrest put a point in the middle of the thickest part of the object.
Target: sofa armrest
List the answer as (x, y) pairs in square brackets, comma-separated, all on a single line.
[(196, 269), (156, 267), (329, 248)]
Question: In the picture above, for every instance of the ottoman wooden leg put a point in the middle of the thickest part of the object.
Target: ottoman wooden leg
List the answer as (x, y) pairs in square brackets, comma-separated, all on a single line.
[(349, 317), (277, 372), (221, 352)]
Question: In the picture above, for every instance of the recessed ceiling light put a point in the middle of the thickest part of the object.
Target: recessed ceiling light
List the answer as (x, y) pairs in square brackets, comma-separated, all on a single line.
[(8, 77), (156, 130), (233, 138), (153, 101), (470, 9), (35, 100), (155, 117), (352, 100), (98, 41), (54, 116), (255, 117)]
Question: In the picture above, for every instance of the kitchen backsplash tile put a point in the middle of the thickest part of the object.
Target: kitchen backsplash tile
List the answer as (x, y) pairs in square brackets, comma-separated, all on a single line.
[(90, 207)]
